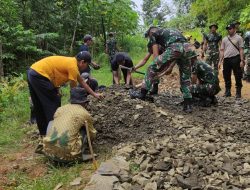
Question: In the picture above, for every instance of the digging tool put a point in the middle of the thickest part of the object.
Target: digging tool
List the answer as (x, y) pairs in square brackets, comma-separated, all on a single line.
[(130, 69), (90, 147)]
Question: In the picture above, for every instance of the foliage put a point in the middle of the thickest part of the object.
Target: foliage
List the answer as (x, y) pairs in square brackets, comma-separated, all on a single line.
[(30, 30), (244, 16), (9, 88), (154, 11)]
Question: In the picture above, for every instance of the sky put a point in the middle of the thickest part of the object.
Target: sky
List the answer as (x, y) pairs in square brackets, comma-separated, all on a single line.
[(139, 7)]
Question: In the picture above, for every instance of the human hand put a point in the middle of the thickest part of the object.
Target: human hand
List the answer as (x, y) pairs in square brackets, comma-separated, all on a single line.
[(242, 64), (99, 96), (96, 66)]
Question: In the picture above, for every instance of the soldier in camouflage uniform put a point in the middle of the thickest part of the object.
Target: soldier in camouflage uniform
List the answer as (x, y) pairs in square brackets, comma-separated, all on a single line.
[(211, 46), (176, 51), (65, 140), (111, 46), (154, 89), (247, 53), (205, 81)]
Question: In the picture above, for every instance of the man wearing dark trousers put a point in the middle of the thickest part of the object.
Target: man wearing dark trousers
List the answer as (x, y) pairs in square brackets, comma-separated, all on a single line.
[(231, 56), (45, 78)]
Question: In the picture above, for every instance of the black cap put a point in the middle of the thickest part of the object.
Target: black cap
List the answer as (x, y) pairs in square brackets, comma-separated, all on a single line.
[(84, 55), (78, 95), (230, 26), (87, 37), (215, 25)]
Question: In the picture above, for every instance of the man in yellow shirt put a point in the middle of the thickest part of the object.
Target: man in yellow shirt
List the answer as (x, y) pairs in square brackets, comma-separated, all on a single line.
[(45, 78)]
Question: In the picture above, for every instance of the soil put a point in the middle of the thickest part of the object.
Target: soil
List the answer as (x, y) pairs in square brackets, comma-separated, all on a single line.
[(121, 120)]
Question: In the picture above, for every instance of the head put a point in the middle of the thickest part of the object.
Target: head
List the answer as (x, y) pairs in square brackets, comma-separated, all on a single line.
[(111, 34), (78, 96), (213, 28), (150, 31), (120, 58), (231, 29), (83, 59), (88, 40)]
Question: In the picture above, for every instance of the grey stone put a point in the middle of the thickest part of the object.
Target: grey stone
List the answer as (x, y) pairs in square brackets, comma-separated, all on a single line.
[(163, 166), (151, 186), (99, 182)]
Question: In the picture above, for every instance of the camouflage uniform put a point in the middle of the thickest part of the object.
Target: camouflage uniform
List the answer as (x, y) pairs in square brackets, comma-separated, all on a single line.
[(213, 52), (111, 46), (208, 78), (176, 49), (247, 54), (63, 141)]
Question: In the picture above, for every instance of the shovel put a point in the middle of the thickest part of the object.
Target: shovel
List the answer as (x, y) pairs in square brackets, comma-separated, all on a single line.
[(130, 69), (90, 147)]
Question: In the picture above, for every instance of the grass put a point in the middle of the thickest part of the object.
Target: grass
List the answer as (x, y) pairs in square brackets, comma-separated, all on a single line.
[(13, 138)]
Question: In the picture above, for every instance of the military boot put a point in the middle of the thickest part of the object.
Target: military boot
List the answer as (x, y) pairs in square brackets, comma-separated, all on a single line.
[(214, 100), (238, 93), (227, 92), (154, 91), (187, 107), (136, 94)]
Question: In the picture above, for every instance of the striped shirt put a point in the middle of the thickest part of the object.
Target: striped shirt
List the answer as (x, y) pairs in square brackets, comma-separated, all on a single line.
[(229, 49)]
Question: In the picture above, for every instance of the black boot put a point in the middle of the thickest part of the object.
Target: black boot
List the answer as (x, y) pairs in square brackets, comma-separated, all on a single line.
[(136, 94), (238, 93), (187, 105), (154, 91), (227, 92), (214, 100)]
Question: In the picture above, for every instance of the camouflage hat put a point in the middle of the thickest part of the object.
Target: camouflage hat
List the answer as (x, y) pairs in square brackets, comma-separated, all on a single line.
[(213, 24), (78, 95)]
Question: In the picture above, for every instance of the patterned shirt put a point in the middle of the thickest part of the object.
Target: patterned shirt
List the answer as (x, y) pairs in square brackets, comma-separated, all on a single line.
[(228, 47), (111, 46), (213, 40), (204, 72), (166, 37), (63, 139)]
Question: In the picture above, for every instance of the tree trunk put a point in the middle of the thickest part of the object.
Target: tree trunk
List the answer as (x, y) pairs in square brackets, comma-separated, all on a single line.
[(74, 32), (1, 60), (104, 32)]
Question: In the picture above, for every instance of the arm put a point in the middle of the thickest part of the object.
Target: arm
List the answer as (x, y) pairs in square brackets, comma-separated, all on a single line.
[(143, 62), (85, 86), (242, 62), (155, 50), (194, 79), (204, 48), (128, 77), (116, 78)]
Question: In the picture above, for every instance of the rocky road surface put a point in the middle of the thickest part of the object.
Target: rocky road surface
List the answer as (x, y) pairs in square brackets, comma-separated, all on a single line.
[(168, 149)]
